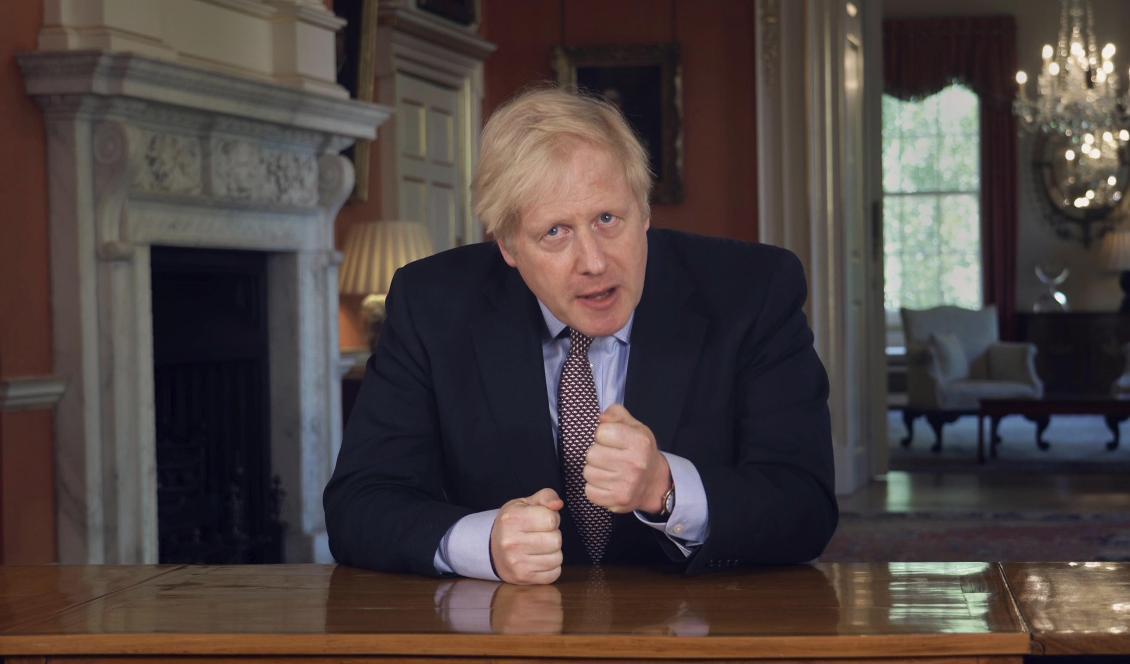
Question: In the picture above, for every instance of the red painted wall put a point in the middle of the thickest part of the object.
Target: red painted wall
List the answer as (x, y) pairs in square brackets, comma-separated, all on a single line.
[(27, 488), (716, 39), (27, 493), (719, 101)]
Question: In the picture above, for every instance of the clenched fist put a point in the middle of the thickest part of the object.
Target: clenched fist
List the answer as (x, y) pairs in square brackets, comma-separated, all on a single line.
[(624, 470), (525, 542)]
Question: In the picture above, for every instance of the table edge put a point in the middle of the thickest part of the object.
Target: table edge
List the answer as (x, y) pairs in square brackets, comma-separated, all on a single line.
[(512, 645)]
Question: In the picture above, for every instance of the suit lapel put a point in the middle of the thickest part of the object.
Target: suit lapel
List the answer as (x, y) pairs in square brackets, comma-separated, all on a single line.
[(667, 336), (507, 341)]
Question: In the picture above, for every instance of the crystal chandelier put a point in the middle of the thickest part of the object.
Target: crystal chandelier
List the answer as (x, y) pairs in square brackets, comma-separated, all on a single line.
[(1081, 119), (1077, 86)]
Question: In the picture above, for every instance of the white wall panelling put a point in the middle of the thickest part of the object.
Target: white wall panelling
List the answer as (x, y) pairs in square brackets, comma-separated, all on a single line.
[(812, 201), (431, 71)]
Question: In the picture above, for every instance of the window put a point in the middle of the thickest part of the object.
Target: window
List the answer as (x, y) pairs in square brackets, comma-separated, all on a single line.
[(931, 201)]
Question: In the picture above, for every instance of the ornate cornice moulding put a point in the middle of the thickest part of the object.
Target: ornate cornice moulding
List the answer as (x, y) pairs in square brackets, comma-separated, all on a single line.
[(56, 78)]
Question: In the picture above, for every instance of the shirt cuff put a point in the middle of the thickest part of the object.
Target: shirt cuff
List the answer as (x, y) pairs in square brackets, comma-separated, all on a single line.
[(465, 548), (688, 525)]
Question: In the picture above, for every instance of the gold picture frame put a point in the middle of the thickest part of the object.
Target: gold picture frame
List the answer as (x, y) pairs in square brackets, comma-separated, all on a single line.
[(645, 82), (356, 70)]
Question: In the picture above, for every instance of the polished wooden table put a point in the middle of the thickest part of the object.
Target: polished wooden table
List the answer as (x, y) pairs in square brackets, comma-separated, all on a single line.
[(1074, 608), (952, 612)]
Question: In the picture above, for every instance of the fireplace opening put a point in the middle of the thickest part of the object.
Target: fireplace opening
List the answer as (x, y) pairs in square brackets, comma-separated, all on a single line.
[(217, 499)]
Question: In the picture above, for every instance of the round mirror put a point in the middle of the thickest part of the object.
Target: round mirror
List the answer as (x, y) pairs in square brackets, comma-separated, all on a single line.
[(1083, 179)]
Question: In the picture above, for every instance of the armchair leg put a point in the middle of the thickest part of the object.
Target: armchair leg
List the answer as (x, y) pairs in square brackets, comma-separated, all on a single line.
[(908, 417)]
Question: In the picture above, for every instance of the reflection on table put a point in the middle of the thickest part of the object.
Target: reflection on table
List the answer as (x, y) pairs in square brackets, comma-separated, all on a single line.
[(1074, 608)]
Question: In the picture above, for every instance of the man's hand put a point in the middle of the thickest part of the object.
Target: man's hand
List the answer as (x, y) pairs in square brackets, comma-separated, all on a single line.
[(525, 542), (624, 470)]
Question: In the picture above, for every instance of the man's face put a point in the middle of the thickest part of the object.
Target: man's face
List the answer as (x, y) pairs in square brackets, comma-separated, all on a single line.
[(581, 247)]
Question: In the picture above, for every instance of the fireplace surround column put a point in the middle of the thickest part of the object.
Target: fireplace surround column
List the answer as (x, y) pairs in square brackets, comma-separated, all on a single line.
[(146, 151)]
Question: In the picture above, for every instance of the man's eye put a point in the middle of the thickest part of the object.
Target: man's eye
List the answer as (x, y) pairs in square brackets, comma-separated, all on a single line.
[(607, 218), (553, 232)]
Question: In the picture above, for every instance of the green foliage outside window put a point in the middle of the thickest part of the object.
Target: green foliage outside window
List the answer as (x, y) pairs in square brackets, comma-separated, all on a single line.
[(931, 200)]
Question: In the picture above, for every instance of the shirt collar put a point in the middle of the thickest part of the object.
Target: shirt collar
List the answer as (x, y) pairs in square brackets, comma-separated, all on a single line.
[(556, 327)]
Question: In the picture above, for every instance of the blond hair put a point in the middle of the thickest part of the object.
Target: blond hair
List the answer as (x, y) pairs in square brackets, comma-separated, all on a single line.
[(529, 137)]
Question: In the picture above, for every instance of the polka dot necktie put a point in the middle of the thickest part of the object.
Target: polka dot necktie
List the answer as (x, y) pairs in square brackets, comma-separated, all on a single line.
[(578, 413)]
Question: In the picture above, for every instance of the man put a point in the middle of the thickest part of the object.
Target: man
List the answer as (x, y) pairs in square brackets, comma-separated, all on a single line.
[(585, 390)]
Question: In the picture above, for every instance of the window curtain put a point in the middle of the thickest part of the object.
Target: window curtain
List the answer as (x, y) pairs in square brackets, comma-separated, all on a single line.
[(922, 56)]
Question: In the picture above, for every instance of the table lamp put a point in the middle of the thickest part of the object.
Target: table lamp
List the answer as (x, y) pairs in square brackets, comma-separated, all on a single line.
[(374, 251), (1116, 257)]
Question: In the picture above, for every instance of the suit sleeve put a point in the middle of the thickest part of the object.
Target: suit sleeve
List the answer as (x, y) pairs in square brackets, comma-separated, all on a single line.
[(386, 507), (775, 502)]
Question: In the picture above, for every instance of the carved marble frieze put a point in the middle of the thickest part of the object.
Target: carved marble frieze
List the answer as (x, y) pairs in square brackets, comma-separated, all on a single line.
[(171, 164), (243, 171), (220, 169)]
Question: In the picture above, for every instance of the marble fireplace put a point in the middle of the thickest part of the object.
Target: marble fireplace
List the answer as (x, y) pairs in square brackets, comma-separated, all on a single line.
[(146, 152)]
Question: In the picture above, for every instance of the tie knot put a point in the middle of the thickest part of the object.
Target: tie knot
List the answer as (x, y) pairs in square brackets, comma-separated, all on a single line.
[(578, 343)]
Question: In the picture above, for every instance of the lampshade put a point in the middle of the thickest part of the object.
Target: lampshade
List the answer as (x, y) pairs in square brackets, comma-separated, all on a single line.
[(374, 250), (1115, 254)]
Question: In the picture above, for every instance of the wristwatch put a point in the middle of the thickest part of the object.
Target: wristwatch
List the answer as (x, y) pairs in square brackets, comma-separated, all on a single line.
[(668, 504)]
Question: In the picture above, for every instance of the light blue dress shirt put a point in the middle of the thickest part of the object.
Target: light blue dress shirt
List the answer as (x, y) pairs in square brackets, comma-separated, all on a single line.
[(465, 548)]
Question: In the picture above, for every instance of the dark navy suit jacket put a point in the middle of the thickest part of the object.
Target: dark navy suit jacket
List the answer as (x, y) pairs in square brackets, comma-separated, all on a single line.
[(452, 416)]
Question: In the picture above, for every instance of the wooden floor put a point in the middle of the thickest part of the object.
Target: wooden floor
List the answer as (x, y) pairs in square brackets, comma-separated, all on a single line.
[(904, 492)]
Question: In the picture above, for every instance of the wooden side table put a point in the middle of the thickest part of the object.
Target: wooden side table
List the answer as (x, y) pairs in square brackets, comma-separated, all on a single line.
[(1114, 410)]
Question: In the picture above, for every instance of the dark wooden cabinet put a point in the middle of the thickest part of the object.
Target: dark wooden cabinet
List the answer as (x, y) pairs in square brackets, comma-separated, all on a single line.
[(1078, 352)]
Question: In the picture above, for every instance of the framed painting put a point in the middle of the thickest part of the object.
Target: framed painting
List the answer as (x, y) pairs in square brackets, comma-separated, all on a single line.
[(356, 62), (645, 83)]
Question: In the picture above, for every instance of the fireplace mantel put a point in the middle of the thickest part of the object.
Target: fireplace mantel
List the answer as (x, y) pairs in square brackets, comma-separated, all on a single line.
[(144, 152)]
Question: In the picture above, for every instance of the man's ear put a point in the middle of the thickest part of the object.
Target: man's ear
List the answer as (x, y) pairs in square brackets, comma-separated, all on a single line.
[(506, 256), (647, 223)]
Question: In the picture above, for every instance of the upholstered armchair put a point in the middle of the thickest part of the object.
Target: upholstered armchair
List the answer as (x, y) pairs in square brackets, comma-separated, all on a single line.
[(954, 359)]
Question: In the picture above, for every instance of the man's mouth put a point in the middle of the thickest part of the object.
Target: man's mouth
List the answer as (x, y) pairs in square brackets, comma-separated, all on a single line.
[(598, 296)]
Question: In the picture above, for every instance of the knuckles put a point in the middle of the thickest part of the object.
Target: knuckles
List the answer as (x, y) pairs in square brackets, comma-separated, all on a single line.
[(509, 544), (521, 530)]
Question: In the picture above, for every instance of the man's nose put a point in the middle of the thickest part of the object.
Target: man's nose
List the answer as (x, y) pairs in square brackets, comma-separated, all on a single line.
[(590, 253)]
